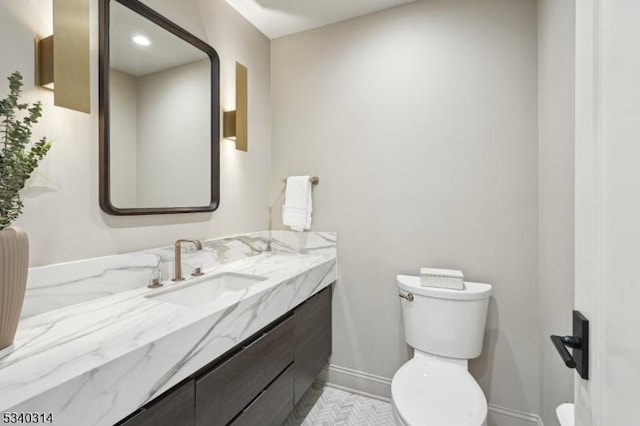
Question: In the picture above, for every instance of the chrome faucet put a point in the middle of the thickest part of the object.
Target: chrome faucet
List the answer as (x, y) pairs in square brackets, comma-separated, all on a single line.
[(178, 264)]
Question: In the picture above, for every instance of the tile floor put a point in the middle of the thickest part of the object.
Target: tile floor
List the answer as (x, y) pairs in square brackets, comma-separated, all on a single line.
[(327, 406)]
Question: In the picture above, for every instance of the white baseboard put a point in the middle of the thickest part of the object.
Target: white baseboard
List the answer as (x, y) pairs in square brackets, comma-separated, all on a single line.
[(501, 416), (357, 382), (378, 387)]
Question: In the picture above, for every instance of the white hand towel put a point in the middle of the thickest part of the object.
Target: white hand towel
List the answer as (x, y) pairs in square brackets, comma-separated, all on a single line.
[(297, 208)]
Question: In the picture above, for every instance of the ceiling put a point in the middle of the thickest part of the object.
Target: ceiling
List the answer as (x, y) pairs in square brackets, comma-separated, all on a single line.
[(277, 18), (166, 50)]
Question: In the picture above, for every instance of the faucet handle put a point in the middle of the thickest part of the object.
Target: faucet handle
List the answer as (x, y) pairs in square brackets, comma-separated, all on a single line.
[(197, 271), (155, 279)]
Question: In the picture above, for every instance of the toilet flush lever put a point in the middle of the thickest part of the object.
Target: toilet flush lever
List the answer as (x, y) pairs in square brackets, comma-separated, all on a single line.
[(407, 296)]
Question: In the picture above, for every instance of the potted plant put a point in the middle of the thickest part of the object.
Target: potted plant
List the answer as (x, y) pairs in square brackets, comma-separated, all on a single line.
[(19, 157)]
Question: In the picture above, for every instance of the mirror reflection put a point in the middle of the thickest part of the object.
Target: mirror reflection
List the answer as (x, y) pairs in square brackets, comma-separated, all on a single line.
[(159, 136)]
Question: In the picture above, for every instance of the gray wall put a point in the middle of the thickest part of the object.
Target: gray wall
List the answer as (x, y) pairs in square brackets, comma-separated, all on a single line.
[(421, 122), (146, 143), (556, 36), (123, 138), (174, 107)]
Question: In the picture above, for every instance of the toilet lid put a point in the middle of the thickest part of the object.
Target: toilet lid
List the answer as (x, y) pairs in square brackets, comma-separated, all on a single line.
[(428, 392)]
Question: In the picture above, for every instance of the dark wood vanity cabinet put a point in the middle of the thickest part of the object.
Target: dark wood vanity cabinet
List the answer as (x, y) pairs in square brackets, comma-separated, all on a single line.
[(226, 390), (174, 408), (256, 383), (272, 406), (312, 340)]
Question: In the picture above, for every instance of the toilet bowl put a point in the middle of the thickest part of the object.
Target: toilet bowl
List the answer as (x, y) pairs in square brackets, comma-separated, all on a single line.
[(431, 391), (445, 327)]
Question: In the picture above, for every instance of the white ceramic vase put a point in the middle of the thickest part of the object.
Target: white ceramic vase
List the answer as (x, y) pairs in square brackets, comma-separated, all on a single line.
[(14, 266)]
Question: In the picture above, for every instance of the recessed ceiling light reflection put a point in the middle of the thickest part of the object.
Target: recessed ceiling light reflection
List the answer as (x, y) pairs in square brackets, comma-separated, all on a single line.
[(141, 40)]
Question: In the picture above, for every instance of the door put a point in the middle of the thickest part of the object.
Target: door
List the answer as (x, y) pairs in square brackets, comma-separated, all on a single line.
[(607, 244)]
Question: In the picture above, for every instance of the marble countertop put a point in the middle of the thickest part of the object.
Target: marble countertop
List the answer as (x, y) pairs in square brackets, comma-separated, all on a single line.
[(94, 363)]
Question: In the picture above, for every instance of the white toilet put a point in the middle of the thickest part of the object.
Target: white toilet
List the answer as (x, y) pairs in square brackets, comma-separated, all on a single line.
[(445, 328)]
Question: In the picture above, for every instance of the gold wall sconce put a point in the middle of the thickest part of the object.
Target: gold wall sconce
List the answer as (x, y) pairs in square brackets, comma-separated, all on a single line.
[(62, 59), (235, 122)]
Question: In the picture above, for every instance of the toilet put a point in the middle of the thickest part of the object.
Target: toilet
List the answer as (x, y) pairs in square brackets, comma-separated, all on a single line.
[(445, 328)]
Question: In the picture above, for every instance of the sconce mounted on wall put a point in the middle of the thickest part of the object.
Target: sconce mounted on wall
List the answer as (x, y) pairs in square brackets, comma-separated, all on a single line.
[(62, 59), (235, 122)]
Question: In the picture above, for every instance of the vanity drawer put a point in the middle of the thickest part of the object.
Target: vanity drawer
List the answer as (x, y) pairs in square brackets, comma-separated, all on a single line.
[(223, 392), (175, 408), (273, 405)]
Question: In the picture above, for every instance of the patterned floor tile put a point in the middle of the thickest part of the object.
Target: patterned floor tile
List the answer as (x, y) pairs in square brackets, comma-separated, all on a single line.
[(326, 406)]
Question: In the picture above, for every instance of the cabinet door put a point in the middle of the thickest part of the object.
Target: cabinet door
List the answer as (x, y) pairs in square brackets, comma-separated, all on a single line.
[(273, 405), (225, 391), (173, 409), (312, 340)]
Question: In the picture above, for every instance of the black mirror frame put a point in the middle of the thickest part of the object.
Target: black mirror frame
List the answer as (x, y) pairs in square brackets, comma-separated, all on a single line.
[(103, 89)]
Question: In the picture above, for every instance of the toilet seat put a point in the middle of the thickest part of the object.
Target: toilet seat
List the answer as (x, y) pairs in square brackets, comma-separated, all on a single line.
[(427, 391)]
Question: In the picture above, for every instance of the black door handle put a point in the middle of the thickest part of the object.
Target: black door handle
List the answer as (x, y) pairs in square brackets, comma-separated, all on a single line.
[(561, 342), (579, 342)]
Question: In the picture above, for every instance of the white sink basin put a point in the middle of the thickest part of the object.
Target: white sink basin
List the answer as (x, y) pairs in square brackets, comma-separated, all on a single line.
[(207, 290)]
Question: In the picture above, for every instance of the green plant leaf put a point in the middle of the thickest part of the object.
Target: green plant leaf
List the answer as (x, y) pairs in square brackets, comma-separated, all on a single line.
[(19, 157)]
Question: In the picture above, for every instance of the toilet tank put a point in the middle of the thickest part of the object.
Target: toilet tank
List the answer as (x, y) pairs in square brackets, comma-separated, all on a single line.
[(444, 322)]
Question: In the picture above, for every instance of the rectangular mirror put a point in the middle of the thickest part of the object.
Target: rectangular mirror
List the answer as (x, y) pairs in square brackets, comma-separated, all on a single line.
[(159, 114)]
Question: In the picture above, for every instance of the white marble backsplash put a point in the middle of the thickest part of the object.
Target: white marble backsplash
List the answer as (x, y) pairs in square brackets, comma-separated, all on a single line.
[(56, 286), (303, 242)]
